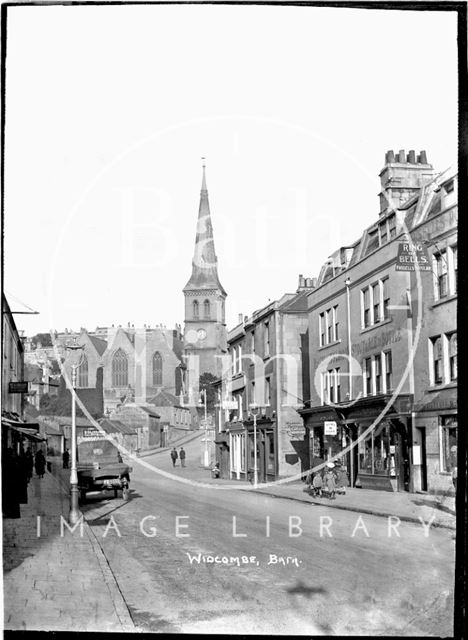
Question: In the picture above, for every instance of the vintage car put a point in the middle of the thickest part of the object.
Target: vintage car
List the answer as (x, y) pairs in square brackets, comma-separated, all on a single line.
[(100, 466)]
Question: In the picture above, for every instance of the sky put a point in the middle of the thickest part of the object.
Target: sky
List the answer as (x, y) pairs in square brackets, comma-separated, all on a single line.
[(109, 110)]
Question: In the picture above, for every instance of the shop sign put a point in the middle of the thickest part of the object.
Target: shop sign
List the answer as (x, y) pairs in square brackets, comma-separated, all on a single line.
[(416, 454), (229, 405), (18, 387), (295, 430), (411, 255), (329, 428)]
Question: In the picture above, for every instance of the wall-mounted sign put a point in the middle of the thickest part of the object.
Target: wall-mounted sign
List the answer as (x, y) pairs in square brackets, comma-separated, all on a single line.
[(295, 430), (18, 387), (329, 428), (411, 255), (229, 405)]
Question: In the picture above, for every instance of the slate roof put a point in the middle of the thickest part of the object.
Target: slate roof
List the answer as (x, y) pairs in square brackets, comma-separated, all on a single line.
[(165, 399), (150, 412), (99, 344), (116, 426)]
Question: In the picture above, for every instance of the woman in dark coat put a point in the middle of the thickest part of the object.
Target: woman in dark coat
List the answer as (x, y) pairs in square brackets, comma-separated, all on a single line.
[(10, 477), (23, 470), (40, 464)]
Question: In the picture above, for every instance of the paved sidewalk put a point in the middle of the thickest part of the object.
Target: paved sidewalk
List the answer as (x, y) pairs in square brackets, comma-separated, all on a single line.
[(408, 507), (52, 582)]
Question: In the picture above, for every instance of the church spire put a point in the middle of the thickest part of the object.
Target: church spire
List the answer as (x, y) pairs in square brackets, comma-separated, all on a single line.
[(204, 262)]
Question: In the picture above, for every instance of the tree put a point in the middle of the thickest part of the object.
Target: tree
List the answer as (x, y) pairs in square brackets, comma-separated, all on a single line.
[(206, 382), (43, 338)]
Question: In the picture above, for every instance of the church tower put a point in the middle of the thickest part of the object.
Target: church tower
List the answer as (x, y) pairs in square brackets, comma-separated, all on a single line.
[(205, 328)]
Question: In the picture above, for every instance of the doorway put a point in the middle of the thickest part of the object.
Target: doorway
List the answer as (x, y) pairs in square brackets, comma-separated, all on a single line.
[(422, 441)]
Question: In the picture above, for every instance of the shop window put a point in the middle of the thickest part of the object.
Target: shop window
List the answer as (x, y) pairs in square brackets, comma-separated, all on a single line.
[(195, 310), (452, 349), (242, 452), (377, 451), (119, 369), (448, 428), (83, 374), (270, 452)]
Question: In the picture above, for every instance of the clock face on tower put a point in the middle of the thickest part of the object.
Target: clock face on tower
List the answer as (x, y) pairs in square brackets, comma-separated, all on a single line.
[(201, 334)]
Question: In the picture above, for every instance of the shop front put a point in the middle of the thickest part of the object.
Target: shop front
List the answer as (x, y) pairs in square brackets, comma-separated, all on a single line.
[(377, 458), (330, 438), (266, 450), (383, 451)]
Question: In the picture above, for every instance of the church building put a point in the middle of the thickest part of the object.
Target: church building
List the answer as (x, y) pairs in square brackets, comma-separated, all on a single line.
[(205, 337)]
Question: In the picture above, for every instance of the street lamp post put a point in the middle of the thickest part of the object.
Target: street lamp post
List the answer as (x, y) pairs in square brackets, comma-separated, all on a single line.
[(203, 394), (75, 360), (254, 410)]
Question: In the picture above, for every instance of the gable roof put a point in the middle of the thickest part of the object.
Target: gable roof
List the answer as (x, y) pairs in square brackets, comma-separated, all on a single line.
[(99, 344), (116, 426), (165, 399)]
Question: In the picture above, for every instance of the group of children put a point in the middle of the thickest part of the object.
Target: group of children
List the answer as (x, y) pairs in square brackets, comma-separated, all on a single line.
[(333, 479)]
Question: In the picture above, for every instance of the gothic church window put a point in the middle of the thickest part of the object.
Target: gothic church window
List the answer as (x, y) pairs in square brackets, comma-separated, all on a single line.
[(83, 374), (206, 307), (157, 369), (195, 309), (119, 369)]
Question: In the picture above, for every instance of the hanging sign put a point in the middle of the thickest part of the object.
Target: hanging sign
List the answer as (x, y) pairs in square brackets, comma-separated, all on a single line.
[(411, 255), (18, 387), (329, 428)]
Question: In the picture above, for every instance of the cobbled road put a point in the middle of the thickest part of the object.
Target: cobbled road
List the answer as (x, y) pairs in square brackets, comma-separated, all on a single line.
[(274, 573)]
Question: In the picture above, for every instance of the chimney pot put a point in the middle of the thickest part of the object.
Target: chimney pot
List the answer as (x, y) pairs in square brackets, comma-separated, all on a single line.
[(412, 157), (423, 157), (390, 156), (401, 155), (240, 318)]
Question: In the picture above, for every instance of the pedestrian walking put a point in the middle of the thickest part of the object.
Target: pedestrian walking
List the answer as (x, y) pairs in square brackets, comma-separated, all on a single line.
[(174, 456), (329, 481), (23, 478), (182, 456), (30, 463), (317, 484), (66, 458), (40, 464), (341, 478)]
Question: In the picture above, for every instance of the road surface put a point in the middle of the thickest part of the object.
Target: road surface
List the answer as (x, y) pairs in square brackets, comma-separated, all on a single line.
[(205, 560)]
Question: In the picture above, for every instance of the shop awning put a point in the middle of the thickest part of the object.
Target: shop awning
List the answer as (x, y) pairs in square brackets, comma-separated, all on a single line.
[(31, 434)]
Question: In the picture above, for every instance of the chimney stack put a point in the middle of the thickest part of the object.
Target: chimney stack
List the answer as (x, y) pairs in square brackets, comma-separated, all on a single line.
[(240, 318)]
